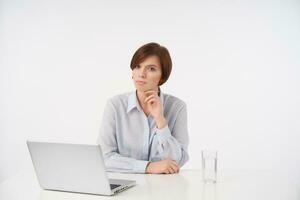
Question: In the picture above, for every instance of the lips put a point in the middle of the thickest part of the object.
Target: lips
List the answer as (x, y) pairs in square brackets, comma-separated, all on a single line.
[(140, 82)]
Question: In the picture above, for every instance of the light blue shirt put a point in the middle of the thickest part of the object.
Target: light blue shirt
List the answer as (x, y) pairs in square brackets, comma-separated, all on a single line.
[(129, 139)]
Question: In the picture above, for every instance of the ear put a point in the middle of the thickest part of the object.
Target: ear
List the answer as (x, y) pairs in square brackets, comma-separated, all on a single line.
[(161, 81)]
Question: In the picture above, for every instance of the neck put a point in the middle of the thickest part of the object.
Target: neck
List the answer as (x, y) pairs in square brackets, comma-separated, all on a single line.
[(142, 96)]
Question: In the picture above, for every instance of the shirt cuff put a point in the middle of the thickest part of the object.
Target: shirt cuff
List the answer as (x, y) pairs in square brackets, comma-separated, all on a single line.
[(163, 134), (140, 166)]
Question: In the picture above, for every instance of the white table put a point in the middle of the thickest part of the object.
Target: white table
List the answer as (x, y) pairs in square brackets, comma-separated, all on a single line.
[(242, 185)]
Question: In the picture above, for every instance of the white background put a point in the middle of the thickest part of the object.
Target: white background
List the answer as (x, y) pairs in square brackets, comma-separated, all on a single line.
[(236, 65)]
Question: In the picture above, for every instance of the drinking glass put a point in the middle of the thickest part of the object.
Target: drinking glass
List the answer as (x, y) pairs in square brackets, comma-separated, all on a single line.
[(209, 165)]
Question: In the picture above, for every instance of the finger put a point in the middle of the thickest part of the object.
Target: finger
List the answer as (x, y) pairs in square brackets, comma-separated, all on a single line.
[(175, 163), (149, 92), (151, 100), (149, 97), (173, 168), (177, 167)]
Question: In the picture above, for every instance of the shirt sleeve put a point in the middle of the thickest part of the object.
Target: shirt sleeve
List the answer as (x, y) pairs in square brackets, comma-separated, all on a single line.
[(114, 161), (172, 144)]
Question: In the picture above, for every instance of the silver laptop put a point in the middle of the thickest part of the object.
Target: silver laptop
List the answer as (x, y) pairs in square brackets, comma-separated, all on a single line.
[(73, 168)]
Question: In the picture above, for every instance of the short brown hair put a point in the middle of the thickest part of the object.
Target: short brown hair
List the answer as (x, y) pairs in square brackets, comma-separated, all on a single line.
[(154, 49)]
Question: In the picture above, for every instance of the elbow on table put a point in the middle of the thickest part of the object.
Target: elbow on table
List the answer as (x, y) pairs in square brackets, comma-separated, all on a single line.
[(184, 159)]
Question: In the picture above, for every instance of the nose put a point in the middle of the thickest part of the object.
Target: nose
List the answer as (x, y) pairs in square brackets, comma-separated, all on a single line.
[(142, 73)]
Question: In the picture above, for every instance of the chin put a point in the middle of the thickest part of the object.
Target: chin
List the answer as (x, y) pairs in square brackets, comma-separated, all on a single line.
[(144, 89), (141, 89)]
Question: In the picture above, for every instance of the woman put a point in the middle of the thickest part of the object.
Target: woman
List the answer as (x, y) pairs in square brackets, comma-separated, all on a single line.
[(145, 131)]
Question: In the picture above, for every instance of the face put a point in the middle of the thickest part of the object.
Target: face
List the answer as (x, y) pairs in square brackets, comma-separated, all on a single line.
[(147, 74)]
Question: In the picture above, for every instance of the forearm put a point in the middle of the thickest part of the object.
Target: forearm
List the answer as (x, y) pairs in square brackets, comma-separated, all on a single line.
[(166, 146), (161, 122), (115, 162)]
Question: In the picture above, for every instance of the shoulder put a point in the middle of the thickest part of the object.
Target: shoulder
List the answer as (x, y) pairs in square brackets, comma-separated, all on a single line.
[(173, 102), (119, 100)]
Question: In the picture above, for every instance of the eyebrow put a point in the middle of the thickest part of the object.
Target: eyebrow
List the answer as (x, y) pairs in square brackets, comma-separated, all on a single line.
[(151, 66)]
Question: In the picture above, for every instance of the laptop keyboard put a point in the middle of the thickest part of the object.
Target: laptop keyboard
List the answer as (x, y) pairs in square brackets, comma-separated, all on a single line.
[(113, 186)]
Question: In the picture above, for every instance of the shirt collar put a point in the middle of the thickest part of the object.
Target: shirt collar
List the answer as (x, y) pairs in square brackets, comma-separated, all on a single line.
[(134, 103)]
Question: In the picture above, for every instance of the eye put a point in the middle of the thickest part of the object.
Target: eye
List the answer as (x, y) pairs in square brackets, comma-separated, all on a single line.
[(151, 68)]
